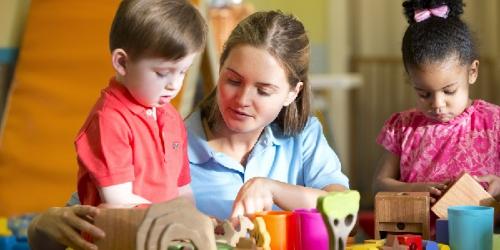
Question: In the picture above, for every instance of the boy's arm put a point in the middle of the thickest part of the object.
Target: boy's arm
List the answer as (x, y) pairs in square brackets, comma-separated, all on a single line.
[(121, 194), (187, 192)]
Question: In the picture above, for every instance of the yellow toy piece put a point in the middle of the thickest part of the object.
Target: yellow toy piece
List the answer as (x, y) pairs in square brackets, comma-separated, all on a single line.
[(379, 243), (443, 246), (363, 246), (496, 241), (260, 234), (4, 227)]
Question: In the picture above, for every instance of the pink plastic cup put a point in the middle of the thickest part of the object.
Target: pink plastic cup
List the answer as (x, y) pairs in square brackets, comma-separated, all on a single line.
[(312, 232)]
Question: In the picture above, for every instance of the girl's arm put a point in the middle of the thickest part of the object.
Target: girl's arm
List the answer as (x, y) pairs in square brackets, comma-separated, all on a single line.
[(387, 179), (259, 194), (493, 184)]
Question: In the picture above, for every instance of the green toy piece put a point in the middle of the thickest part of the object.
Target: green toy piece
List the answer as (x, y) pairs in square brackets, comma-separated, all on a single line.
[(224, 246), (181, 245), (340, 212)]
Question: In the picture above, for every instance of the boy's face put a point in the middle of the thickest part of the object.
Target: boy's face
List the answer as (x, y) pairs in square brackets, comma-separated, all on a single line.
[(155, 81)]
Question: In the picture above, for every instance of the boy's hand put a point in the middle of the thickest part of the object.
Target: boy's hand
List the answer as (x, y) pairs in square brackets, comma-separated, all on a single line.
[(255, 195), (64, 224), (493, 184)]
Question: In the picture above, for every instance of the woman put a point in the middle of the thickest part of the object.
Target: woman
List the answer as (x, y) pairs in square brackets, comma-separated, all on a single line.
[(253, 143)]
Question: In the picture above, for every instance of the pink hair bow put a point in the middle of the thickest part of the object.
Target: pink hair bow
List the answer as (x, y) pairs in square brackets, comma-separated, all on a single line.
[(440, 11)]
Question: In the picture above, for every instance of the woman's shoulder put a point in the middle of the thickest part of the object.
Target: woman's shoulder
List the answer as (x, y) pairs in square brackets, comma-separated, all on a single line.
[(313, 124)]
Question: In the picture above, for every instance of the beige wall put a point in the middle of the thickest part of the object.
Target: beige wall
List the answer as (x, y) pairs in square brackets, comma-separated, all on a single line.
[(379, 26), (12, 17)]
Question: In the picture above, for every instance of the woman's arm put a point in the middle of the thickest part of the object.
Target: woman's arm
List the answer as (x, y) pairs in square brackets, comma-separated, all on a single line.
[(59, 227), (388, 174), (259, 194)]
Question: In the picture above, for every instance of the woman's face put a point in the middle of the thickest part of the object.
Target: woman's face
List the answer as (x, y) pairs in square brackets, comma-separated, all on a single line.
[(252, 89)]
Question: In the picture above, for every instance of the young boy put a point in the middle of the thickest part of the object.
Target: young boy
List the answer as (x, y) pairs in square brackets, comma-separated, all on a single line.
[(132, 148)]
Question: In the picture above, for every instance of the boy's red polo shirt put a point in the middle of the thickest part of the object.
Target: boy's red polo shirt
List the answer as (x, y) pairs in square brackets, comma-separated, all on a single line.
[(122, 142)]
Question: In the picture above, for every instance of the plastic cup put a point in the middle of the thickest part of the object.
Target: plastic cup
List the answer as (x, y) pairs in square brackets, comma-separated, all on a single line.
[(470, 227)]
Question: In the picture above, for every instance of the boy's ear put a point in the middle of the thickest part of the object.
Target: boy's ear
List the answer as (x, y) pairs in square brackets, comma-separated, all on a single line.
[(293, 93), (119, 60), (473, 71)]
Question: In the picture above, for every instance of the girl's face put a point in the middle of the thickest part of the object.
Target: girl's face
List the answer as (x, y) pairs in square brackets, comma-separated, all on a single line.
[(252, 89), (443, 87)]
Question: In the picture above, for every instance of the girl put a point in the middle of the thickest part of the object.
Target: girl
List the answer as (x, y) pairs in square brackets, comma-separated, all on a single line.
[(448, 133)]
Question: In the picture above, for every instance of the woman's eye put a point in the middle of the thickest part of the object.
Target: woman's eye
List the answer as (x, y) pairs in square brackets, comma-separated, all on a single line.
[(263, 92), (159, 74), (450, 92)]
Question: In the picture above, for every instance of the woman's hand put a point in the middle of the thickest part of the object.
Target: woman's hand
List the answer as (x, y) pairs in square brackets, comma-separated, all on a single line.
[(255, 195), (493, 184), (63, 225)]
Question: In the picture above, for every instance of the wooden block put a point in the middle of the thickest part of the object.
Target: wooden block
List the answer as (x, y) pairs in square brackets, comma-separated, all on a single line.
[(392, 243), (160, 226), (430, 245), (495, 205), (413, 242), (120, 226), (442, 234), (231, 236), (246, 244), (464, 192), (174, 220), (402, 212)]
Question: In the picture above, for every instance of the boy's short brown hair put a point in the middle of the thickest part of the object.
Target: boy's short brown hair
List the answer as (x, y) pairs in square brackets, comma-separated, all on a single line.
[(170, 29)]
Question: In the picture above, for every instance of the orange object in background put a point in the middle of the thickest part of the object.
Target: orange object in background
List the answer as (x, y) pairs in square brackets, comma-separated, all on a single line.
[(63, 64)]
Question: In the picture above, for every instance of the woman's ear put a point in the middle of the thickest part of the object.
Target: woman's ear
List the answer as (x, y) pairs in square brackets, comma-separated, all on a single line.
[(293, 93), (119, 60), (473, 71)]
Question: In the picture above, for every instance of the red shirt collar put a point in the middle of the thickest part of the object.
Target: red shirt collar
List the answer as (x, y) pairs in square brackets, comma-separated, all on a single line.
[(117, 89)]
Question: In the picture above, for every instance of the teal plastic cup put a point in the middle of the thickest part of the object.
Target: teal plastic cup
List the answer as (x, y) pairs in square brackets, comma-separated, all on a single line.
[(470, 227)]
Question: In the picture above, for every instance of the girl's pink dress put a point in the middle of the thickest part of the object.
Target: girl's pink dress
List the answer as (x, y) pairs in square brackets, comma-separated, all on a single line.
[(433, 151)]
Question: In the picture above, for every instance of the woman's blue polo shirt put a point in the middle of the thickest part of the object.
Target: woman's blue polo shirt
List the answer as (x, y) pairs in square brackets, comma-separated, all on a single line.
[(305, 159)]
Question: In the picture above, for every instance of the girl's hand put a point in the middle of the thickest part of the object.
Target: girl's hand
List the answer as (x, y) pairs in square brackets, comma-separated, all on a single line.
[(493, 184), (64, 224), (435, 189), (255, 195)]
